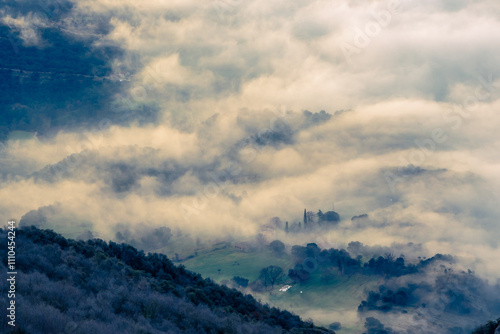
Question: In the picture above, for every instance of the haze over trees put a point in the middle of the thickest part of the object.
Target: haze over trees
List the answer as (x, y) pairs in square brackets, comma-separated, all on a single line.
[(277, 247), (419, 289), (312, 221)]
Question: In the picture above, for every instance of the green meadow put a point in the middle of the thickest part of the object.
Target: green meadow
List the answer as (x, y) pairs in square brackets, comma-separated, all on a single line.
[(323, 302), (225, 262)]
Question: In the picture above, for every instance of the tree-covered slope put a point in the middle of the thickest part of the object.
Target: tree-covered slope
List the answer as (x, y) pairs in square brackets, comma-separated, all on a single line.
[(68, 286)]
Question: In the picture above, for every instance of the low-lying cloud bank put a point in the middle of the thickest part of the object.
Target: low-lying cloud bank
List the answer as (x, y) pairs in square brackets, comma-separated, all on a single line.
[(408, 134)]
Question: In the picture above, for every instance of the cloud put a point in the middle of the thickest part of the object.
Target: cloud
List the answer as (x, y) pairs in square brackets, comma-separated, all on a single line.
[(27, 27), (249, 125)]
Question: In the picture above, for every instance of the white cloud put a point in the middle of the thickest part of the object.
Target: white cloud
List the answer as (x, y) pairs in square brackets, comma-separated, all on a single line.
[(228, 72)]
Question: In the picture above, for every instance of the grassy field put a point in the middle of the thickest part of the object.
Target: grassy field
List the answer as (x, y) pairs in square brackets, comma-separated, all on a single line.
[(327, 303), (323, 302), (225, 262)]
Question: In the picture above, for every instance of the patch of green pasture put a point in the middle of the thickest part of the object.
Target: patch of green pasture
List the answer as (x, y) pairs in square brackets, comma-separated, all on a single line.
[(232, 262)]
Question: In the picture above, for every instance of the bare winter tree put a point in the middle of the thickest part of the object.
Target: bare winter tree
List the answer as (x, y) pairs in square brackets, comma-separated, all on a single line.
[(271, 275), (389, 256)]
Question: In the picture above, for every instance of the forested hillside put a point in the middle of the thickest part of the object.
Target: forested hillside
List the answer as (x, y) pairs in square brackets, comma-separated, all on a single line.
[(68, 286)]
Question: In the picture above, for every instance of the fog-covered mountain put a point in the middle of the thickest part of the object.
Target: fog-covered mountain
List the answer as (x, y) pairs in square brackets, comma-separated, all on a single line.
[(181, 126)]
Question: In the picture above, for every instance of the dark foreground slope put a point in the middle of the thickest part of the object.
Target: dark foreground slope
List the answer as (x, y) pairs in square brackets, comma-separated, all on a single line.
[(68, 286)]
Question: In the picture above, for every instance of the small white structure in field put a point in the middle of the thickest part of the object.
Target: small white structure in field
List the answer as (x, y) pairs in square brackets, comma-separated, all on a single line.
[(285, 288)]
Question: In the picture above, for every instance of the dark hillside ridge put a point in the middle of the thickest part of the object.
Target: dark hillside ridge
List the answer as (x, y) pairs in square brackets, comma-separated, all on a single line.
[(68, 286)]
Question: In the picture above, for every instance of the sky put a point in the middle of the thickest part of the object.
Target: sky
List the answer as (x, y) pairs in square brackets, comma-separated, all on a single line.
[(388, 108)]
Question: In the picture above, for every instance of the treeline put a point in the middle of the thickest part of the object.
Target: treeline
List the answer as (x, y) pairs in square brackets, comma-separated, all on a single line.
[(457, 298), (460, 293), (330, 263), (311, 221), (310, 258), (386, 299), (67, 286)]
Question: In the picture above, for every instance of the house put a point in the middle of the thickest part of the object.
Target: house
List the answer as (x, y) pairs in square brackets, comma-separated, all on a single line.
[(285, 288)]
